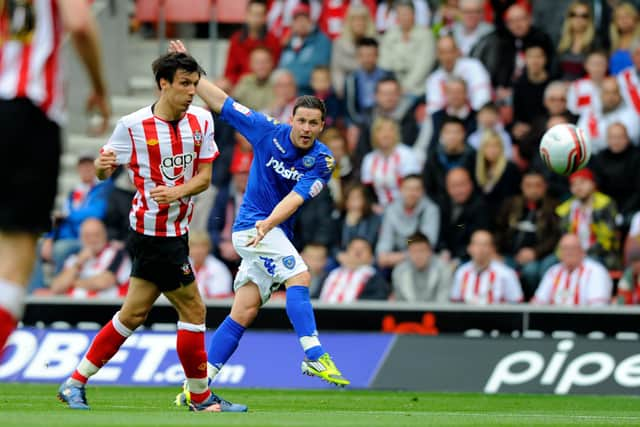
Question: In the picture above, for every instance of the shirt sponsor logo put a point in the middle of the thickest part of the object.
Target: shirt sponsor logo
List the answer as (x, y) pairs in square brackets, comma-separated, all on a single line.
[(278, 146), (280, 169), (173, 167), (241, 108)]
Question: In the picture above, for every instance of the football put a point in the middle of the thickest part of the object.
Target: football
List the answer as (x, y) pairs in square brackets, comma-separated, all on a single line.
[(565, 149)]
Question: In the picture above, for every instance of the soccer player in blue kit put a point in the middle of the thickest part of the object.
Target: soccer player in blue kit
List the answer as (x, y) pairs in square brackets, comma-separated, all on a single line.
[(290, 166)]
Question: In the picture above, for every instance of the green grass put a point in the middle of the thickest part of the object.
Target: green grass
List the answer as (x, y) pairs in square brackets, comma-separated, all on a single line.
[(35, 405)]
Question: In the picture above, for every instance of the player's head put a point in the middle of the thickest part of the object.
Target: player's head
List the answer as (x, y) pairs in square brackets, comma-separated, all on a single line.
[(307, 121), (177, 75)]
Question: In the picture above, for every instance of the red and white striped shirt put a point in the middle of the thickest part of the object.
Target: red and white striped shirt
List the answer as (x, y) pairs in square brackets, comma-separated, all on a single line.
[(345, 285), (160, 154), (583, 95), (385, 173), (213, 278), (630, 88), (495, 284), (30, 41), (588, 284)]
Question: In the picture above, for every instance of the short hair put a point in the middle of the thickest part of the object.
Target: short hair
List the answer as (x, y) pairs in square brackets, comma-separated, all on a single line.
[(534, 171), (406, 3), (262, 49), (261, 2), (412, 176), (324, 68), (165, 66), (452, 119), (418, 237), (362, 239), (602, 52), (557, 84), (388, 79), (457, 79), (367, 42), (311, 102), (489, 106)]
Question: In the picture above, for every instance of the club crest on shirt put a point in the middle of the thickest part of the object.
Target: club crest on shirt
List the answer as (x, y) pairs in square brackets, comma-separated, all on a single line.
[(289, 262), (186, 269), (308, 161), (197, 137), (241, 108), (152, 142)]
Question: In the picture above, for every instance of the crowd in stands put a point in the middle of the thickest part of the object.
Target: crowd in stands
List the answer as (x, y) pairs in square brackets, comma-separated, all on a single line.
[(435, 110)]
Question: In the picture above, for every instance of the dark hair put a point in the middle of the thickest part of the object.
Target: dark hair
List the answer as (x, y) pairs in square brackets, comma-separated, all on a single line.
[(387, 80), (367, 42), (321, 68), (596, 51), (492, 238), (165, 67), (418, 237), (412, 176), (361, 238), (309, 101), (367, 209), (262, 2), (491, 106), (452, 119)]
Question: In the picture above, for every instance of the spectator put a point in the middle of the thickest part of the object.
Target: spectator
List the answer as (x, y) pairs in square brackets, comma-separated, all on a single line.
[(344, 59), (343, 171), (255, 89), (488, 118), (576, 280), (118, 206), (356, 278), (528, 90), (591, 215), (450, 153), (357, 220), (284, 95), (628, 290), (471, 27), (412, 212), (314, 222), (334, 17), (613, 110), (578, 38), (253, 34), (445, 16), (408, 50), (212, 276), (451, 64), (390, 161), (100, 269), (307, 48), (484, 280), (360, 85), (628, 79), (528, 231), (550, 16), (497, 177), (281, 15), (584, 94), (462, 212), (321, 87), (316, 257), (387, 17), (422, 277), (623, 30)]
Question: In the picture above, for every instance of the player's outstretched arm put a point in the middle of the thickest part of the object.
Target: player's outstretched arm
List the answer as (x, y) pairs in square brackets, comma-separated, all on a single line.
[(283, 211)]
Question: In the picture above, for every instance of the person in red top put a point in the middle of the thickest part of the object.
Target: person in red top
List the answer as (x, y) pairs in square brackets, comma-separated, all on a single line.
[(253, 34), (31, 114)]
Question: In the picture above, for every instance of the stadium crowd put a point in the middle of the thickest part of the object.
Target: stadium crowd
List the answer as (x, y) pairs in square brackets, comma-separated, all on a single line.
[(434, 115)]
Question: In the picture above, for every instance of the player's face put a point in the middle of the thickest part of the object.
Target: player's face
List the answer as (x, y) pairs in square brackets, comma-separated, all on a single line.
[(307, 124), (181, 91)]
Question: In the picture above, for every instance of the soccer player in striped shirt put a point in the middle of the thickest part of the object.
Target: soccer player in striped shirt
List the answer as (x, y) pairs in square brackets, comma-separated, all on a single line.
[(169, 147), (290, 166)]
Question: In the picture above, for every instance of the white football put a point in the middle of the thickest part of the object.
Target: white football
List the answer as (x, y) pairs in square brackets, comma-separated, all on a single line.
[(565, 148)]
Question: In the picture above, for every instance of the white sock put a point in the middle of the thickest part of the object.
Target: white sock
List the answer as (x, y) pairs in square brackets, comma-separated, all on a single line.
[(12, 298)]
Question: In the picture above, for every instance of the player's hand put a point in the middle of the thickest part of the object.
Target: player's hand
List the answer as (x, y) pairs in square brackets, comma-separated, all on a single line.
[(262, 228), (177, 46), (164, 195), (99, 102), (106, 161)]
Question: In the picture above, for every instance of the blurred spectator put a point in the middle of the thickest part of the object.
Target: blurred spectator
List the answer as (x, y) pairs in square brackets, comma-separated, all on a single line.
[(344, 59), (356, 278), (484, 280), (528, 90), (624, 28), (576, 280), (408, 50), (584, 94), (387, 18), (321, 88), (360, 85), (281, 15), (629, 80), (528, 230), (315, 256), (100, 269), (451, 64), (253, 34), (471, 27), (116, 217), (412, 212), (616, 169), (342, 173), (422, 277), (284, 95), (314, 222), (578, 38), (451, 152), (613, 110), (212, 276), (334, 17), (307, 48), (255, 90), (445, 16), (550, 16), (462, 212), (629, 284), (497, 177), (357, 220), (390, 161), (591, 215), (488, 118)]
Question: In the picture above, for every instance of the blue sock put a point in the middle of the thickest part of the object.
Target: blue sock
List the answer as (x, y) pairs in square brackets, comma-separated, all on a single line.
[(300, 314), (225, 341)]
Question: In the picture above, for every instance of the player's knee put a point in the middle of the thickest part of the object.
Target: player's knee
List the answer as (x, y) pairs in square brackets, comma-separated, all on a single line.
[(132, 319), (302, 279), (245, 315), (192, 310)]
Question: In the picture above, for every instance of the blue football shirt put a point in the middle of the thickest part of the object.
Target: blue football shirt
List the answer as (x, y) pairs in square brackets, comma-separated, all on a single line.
[(278, 166)]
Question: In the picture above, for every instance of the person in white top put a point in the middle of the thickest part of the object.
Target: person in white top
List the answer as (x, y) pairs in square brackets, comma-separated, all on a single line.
[(576, 280), (386, 16), (452, 64), (212, 276), (584, 94), (629, 78), (613, 110), (484, 280), (471, 26)]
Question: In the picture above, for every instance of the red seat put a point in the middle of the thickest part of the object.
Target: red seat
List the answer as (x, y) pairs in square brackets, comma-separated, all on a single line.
[(227, 11), (231, 11), (147, 10), (187, 10)]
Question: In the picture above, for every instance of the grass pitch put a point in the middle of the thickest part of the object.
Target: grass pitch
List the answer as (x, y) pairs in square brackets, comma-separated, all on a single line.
[(35, 405)]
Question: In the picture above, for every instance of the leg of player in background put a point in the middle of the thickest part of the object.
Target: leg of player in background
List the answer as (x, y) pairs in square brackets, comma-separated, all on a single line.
[(137, 304), (17, 257)]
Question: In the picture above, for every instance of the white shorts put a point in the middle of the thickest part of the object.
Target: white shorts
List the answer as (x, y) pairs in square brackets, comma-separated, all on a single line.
[(272, 262)]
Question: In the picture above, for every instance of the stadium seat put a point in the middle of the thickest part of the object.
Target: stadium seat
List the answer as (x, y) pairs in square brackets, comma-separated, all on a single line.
[(227, 11)]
